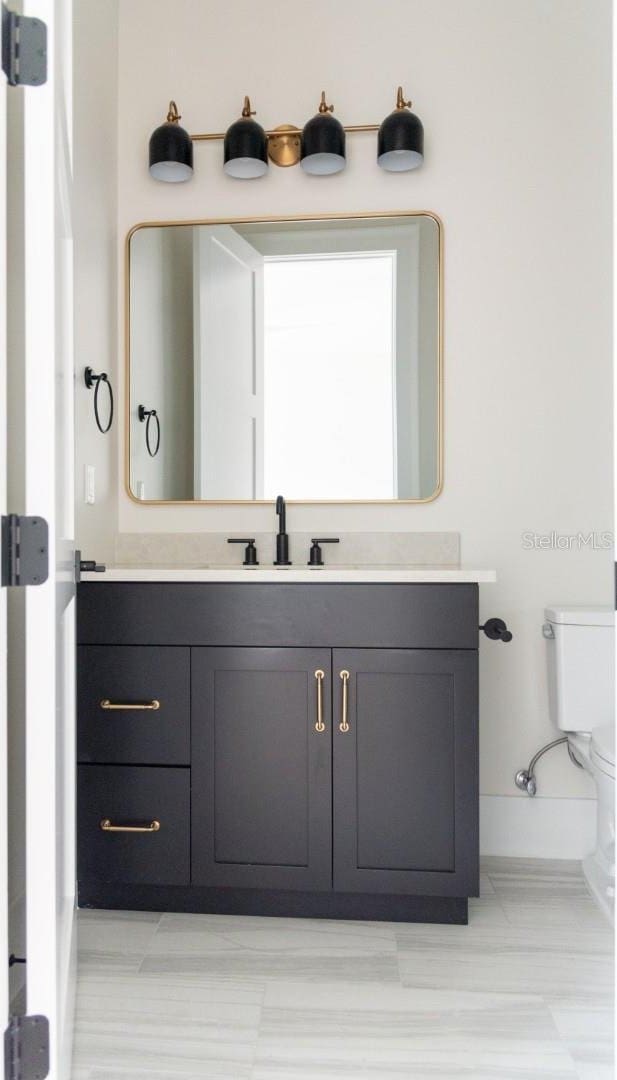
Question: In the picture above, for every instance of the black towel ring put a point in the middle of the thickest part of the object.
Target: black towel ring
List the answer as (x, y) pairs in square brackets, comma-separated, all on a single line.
[(92, 379), (147, 414)]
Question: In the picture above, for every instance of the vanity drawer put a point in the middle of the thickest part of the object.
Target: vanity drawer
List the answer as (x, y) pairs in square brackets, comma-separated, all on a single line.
[(133, 705), (154, 801)]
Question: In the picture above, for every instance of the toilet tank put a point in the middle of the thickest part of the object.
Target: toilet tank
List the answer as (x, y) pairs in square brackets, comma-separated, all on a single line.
[(580, 643)]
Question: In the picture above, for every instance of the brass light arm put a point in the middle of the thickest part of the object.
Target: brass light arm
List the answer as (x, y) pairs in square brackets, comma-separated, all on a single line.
[(220, 135), (173, 116), (360, 127)]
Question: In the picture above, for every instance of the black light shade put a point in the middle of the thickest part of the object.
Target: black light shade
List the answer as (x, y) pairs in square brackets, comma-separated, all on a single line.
[(245, 153), (323, 143), (171, 150), (400, 140)]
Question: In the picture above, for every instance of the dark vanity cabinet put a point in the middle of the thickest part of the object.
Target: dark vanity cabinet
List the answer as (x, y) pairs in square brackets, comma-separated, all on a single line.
[(299, 749)]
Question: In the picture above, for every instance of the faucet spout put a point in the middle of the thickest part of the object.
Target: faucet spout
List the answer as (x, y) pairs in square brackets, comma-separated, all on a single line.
[(282, 539), (281, 512)]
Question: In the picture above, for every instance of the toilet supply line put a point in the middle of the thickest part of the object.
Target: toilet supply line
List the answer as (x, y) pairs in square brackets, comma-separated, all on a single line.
[(525, 779)]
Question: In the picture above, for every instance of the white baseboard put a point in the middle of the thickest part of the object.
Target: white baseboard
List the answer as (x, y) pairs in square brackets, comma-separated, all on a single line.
[(537, 828)]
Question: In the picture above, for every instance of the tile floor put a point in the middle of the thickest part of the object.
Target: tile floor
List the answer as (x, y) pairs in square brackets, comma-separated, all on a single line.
[(522, 993)]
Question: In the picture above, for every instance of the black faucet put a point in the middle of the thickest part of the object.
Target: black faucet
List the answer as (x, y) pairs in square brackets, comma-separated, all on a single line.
[(282, 539)]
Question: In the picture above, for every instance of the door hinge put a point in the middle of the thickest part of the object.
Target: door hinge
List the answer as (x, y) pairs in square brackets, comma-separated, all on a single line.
[(25, 550), (24, 49), (26, 1048)]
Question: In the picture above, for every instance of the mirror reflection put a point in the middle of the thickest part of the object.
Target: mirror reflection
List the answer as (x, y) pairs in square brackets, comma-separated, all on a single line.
[(293, 356)]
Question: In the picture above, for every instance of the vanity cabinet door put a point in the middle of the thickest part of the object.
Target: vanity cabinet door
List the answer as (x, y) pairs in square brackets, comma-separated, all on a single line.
[(261, 768), (405, 752)]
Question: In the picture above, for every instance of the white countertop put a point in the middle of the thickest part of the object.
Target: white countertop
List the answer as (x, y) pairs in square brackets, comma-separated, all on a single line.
[(296, 574)]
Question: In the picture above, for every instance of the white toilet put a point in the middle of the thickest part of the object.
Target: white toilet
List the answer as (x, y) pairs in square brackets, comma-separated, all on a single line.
[(581, 679)]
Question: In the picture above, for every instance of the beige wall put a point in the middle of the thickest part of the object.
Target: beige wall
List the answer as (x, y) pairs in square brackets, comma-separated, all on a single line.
[(95, 118), (515, 99)]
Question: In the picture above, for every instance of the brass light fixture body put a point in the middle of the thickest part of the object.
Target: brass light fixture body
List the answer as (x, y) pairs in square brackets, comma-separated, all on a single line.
[(284, 145)]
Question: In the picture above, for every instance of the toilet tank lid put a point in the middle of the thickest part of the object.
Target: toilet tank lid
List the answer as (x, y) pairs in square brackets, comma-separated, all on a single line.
[(581, 614), (603, 742)]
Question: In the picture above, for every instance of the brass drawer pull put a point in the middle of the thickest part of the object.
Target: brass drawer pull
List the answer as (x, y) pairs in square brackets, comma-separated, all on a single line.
[(107, 826), (319, 726), (344, 724), (111, 706)]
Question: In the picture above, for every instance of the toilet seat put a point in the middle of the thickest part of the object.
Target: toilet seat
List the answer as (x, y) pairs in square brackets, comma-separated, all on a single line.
[(603, 749)]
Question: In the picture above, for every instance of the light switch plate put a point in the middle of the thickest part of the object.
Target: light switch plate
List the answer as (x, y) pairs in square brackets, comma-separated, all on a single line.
[(89, 484)]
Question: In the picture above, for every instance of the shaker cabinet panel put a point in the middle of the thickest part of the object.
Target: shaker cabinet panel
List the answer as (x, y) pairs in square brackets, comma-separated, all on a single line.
[(133, 705), (261, 768), (134, 825), (405, 771)]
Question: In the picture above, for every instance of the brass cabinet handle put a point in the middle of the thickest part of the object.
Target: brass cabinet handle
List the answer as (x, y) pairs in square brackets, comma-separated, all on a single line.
[(344, 724), (107, 826), (319, 726), (143, 706)]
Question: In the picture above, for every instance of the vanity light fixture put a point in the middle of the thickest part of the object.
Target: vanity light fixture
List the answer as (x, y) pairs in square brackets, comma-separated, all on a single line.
[(171, 150), (323, 142), (319, 147), (400, 141), (245, 153)]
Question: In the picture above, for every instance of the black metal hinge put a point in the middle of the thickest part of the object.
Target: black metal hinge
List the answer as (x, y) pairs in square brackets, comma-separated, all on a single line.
[(26, 1048), (25, 550), (24, 49)]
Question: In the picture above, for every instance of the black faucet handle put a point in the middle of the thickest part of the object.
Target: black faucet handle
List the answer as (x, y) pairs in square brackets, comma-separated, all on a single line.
[(316, 554), (250, 552)]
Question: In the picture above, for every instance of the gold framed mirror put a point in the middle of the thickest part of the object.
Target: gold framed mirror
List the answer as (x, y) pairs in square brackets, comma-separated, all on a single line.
[(298, 354)]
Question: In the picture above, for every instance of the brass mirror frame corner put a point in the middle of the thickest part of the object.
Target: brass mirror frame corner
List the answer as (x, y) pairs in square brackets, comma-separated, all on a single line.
[(274, 219)]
